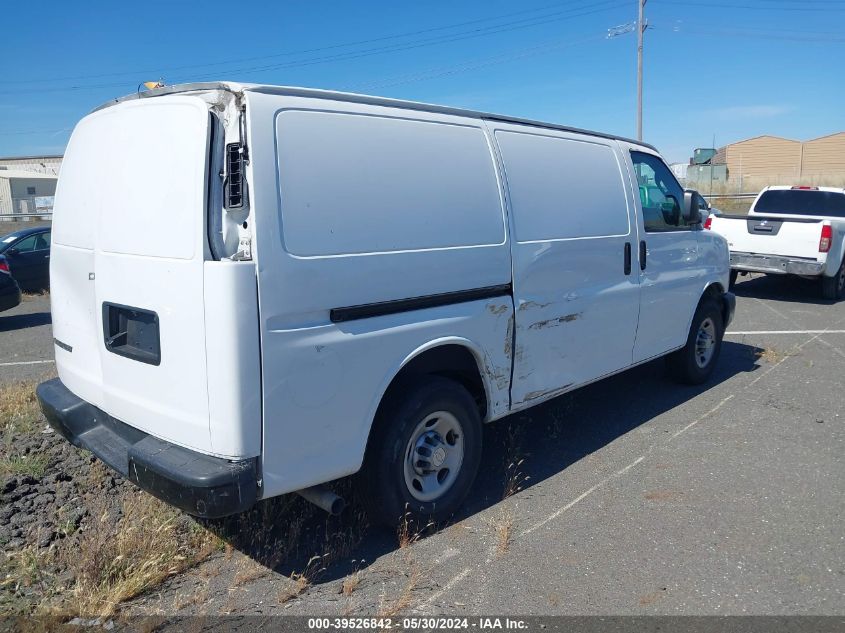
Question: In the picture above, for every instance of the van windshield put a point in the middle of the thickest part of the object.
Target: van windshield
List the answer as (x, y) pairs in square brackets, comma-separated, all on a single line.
[(802, 202)]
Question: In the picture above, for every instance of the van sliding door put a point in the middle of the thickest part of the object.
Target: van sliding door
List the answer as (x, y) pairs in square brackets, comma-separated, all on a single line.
[(576, 292)]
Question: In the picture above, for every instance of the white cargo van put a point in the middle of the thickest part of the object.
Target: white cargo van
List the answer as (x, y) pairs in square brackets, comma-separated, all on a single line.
[(257, 290)]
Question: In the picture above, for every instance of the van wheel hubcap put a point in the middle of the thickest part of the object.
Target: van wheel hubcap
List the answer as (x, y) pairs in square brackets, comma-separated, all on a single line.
[(434, 456), (705, 342)]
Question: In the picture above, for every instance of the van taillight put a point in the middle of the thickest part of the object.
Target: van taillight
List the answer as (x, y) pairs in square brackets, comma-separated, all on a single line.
[(4, 266), (826, 239), (708, 222), (234, 176)]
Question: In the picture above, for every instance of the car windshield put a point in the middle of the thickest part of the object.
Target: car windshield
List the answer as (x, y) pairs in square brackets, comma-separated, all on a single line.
[(7, 240), (802, 202)]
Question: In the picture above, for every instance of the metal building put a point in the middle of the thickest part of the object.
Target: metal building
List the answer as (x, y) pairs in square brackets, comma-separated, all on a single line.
[(754, 163), (28, 183)]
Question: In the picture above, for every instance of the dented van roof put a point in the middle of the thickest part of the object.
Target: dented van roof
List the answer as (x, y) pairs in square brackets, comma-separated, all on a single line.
[(316, 93)]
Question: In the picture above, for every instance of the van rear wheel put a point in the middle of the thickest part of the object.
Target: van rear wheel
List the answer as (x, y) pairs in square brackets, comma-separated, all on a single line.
[(423, 454), (694, 363)]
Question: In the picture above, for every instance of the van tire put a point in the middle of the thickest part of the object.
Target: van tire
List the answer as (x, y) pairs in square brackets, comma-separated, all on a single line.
[(685, 365), (381, 483), (833, 288)]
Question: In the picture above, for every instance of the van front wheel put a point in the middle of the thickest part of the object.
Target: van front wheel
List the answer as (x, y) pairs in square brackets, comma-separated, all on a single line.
[(693, 363), (423, 454)]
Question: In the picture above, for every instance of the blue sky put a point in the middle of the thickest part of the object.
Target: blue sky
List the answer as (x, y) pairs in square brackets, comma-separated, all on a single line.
[(730, 69)]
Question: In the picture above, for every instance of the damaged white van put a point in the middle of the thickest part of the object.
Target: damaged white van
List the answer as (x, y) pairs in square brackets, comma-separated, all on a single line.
[(257, 289)]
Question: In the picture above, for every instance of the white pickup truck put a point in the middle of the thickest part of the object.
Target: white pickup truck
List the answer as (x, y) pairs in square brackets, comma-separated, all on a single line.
[(790, 231)]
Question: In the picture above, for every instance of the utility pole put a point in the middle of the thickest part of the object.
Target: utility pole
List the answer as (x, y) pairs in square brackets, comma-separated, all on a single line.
[(641, 27)]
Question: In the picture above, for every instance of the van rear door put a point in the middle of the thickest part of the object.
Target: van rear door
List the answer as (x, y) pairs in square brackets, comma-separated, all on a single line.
[(127, 266)]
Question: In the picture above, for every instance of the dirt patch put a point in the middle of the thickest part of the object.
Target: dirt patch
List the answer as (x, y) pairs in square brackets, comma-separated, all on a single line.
[(77, 539)]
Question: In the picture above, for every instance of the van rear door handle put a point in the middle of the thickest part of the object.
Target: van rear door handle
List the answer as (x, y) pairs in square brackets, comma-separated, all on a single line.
[(642, 254), (627, 258)]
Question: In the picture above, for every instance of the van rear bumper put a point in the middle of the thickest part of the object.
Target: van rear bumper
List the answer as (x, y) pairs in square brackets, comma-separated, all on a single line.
[(199, 484)]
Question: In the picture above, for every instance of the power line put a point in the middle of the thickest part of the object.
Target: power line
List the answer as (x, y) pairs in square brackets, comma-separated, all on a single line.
[(341, 45), (469, 65), (712, 5)]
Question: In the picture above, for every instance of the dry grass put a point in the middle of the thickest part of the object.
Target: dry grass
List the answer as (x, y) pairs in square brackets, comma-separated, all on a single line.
[(302, 580), (350, 584), (19, 415), (503, 531), (19, 412), (771, 356), (393, 607), (408, 533), (113, 562)]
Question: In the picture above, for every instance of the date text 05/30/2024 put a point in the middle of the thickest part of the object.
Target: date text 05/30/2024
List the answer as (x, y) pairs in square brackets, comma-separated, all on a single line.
[(421, 623)]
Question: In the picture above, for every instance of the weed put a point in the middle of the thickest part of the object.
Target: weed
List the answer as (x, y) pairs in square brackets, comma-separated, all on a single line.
[(405, 597), (19, 412), (35, 465), (302, 580), (351, 582), (407, 533), (115, 561), (503, 529), (771, 356)]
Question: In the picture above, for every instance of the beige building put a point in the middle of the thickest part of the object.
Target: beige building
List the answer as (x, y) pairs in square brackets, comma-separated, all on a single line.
[(772, 160), (28, 183)]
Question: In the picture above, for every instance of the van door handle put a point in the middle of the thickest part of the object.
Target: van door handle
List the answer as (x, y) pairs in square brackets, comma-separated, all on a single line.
[(627, 258), (642, 254)]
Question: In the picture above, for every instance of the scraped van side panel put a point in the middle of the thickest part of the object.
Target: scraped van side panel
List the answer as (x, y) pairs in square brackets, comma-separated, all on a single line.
[(359, 204)]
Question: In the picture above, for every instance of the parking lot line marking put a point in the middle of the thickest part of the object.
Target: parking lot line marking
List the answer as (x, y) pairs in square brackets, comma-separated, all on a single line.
[(582, 496), (697, 420), (26, 362), (454, 581), (774, 310), (833, 347), (733, 333)]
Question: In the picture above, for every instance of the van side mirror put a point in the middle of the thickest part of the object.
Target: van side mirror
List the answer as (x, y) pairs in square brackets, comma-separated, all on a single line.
[(692, 212)]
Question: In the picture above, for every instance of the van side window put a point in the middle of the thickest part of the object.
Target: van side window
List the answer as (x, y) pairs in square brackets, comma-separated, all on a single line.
[(562, 188), (661, 196)]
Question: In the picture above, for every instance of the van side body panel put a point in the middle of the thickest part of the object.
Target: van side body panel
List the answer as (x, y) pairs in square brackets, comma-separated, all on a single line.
[(571, 217), (335, 236)]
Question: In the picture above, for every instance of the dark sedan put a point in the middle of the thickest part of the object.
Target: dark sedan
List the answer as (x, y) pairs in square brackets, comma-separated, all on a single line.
[(28, 255), (10, 292)]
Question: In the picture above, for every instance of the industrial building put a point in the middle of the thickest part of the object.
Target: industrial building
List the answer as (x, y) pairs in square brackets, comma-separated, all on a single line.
[(28, 184), (752, 164)]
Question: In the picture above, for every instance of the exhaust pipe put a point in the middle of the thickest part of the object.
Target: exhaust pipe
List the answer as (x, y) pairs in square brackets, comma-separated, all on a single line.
[(323, 498)]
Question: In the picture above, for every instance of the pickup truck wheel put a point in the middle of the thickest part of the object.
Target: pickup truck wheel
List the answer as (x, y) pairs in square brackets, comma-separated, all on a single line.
[(833, 288), (423, 454), (693, 363)]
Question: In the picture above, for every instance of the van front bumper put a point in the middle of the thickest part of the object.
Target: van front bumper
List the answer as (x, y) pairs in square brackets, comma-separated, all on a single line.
[(776, 264), (199, 484)]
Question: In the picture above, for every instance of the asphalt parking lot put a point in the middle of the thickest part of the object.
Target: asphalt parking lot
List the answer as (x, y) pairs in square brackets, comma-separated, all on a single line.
[(638, 496)]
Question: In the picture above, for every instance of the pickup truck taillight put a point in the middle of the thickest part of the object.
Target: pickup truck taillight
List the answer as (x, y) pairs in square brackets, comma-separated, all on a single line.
[(708, 222), (826, 238)]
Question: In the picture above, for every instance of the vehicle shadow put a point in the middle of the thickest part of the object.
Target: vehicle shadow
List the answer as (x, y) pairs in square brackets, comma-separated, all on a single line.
[(780, 288), (290, 536), (22, 321)]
